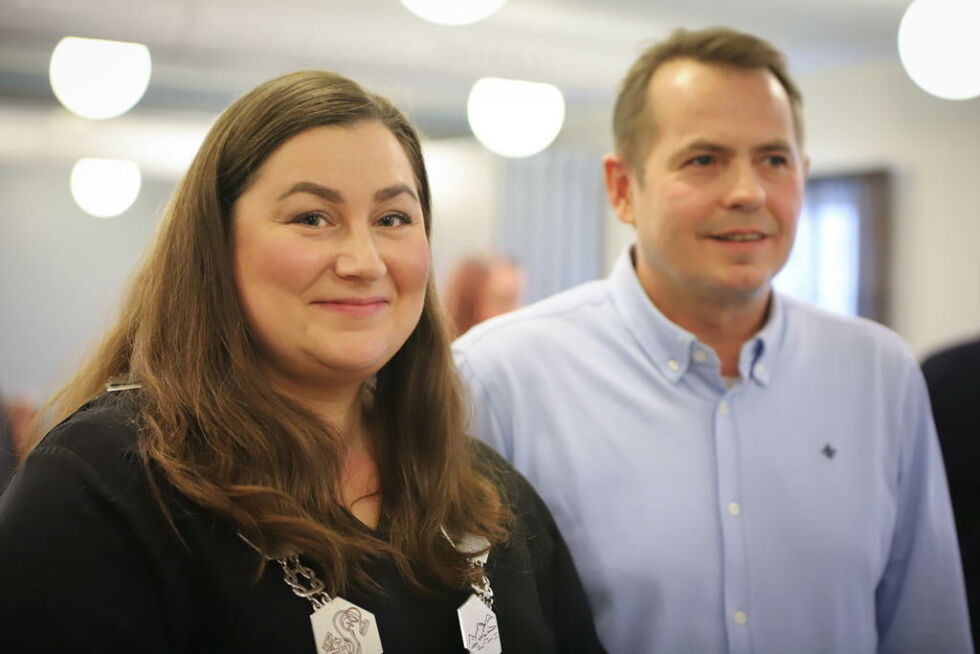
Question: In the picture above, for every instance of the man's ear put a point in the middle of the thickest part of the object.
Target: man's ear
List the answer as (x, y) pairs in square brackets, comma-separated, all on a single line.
[(616, 175)]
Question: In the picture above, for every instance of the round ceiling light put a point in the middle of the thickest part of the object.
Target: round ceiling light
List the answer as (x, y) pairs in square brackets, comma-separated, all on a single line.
[(105, 188), (453, 12), (515, 118), (939, 48), (99, 79)]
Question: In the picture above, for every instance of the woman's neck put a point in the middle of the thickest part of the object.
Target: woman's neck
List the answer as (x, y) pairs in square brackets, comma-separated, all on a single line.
[(342, 409)]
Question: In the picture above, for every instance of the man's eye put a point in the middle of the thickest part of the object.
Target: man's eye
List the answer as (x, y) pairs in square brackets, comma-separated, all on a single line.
[(702, 160), (777, 160), (394, 220)]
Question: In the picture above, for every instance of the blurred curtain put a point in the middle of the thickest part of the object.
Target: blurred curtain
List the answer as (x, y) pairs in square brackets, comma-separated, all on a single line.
[(552, 218)]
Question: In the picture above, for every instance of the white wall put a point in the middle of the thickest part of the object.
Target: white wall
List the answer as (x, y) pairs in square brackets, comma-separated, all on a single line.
[(464, 179), (873, 116), (61, 272)]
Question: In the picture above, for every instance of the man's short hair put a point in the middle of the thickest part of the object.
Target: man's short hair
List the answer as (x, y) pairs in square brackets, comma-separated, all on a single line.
[(632, 124)]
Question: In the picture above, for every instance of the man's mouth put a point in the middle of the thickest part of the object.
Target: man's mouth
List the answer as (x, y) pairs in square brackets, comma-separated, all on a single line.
[(738, 237)]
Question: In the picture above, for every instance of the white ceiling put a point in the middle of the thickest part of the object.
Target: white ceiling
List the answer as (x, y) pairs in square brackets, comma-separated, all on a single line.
[(205, 52)]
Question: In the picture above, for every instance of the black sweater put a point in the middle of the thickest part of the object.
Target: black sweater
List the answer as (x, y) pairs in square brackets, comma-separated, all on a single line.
[(89, 563)]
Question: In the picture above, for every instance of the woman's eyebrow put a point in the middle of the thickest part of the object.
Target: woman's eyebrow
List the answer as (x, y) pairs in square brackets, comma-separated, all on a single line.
[(391, 191), (325, 192)]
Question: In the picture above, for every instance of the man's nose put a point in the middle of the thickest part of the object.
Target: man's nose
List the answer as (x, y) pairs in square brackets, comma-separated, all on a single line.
[(745, 191)]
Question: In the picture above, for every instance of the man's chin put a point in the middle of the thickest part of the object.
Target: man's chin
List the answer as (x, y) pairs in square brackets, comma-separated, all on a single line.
[(743, 289)]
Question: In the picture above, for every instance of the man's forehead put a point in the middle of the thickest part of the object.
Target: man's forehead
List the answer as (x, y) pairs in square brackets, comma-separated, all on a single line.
[(684, 76), (695, 95)]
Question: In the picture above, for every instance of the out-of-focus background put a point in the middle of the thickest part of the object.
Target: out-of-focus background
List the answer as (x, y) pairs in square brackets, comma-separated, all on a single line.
[(891, 231)]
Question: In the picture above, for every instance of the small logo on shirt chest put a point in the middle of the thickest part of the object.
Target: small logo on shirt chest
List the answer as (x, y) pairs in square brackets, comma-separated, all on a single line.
[(829, 451)]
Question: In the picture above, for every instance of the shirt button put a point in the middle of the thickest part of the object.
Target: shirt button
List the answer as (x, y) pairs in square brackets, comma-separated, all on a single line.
[(723, 407), (700, 356), (734, 508), (740, 617), (673, 365), (760, 369)]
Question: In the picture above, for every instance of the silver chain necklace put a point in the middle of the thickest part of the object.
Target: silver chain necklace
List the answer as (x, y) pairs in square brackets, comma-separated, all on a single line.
[(342, 627)]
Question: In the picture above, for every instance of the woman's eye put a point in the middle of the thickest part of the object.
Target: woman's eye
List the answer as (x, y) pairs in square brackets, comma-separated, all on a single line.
[(310, 219), (394, 220)]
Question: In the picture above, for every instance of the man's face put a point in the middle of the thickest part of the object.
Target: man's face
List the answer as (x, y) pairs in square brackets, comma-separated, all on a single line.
[(716, 204)]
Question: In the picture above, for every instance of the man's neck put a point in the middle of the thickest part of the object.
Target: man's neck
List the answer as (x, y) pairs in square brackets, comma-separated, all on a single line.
[(723, 323)]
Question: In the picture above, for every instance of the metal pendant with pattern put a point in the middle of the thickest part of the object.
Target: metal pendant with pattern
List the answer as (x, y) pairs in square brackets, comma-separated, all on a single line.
[(478, 623), (340, 627)]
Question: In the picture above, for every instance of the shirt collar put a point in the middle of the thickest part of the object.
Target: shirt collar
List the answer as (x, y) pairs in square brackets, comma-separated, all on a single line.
[(670, 347), (758, 357)]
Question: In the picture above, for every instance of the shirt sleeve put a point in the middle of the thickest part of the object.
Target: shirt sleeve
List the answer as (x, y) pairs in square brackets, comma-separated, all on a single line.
[(486, 423), (75, 566), (920, 598)]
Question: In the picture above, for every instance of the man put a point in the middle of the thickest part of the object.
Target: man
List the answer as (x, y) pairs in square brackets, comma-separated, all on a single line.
[(953, 378), (733, 470)]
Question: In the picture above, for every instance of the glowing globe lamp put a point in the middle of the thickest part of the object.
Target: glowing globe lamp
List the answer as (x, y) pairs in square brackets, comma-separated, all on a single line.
[(105, 188), (99, 79), (515, 118)]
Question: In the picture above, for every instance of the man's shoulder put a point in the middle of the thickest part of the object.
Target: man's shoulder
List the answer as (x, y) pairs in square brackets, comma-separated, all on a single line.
[(827, 331), (577, 308)]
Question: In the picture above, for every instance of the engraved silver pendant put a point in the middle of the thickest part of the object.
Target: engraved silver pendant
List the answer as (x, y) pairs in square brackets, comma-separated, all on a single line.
[(340, 627), (479, 626)]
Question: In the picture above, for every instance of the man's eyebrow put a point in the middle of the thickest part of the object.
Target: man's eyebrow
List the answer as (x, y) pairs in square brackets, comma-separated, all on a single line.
[(777, 145), (325, 192), (391, 191), (701, 145), (706, 146)]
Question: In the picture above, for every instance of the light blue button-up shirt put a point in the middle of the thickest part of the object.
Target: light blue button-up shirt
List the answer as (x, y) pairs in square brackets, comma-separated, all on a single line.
[(802, 510)]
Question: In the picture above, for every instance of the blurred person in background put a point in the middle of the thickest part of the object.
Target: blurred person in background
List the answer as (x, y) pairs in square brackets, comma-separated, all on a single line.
[(482, 286), (266, 453), (8, 453), (16, 420), (735, 471), (953, 378)]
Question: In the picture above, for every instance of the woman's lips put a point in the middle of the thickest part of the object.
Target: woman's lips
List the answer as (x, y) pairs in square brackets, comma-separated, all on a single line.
[(355, 307)]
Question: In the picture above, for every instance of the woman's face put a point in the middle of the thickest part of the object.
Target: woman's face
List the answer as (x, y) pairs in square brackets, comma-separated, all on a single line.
[(331, 257)]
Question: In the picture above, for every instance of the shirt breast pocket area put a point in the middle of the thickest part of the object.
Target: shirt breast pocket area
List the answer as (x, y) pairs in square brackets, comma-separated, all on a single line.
[(829, 487)]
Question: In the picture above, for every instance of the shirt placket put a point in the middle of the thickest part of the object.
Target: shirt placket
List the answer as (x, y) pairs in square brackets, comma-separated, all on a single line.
[(738, 617)]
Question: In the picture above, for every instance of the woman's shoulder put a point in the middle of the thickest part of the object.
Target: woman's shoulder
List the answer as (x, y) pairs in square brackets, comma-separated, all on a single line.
[(100, 438), (101, 427), (509, 481), (533, 573)]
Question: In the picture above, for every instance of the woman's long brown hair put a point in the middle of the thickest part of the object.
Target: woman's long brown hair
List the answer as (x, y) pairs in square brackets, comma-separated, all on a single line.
[(212, 425)]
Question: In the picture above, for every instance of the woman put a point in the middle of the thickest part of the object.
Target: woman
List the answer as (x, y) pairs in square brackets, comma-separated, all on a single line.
[(279, 463)]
